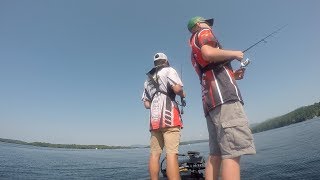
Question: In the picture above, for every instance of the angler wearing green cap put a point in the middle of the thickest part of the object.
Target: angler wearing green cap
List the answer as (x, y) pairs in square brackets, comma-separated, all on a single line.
[(229, 133)]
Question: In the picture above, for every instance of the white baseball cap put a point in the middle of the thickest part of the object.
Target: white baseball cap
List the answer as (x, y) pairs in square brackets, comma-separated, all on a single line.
[(159, 55)]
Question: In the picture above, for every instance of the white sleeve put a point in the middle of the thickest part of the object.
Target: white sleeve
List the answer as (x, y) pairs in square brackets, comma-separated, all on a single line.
[(173, 77), (145, 94)]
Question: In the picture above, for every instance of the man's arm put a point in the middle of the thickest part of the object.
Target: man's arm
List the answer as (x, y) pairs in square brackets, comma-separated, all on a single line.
[(146, 98), (212, 54), (178, 90)]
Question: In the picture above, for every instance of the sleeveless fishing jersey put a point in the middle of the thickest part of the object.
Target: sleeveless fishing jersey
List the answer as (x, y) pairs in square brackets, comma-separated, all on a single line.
[(218, 84), (164, 111)]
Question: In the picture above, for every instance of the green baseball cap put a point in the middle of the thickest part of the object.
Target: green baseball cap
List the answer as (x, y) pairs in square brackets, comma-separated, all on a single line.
[(193, 21)]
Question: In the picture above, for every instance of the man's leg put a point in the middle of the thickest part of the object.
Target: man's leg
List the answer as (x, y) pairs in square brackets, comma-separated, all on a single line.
[(172, 140), (231, 169), (214, 160), (235, 139), (154, 166), (172, 166), (156, 146), (213, 167)]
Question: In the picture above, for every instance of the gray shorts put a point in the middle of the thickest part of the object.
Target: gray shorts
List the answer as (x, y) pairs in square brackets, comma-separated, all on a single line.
[(229, 133)]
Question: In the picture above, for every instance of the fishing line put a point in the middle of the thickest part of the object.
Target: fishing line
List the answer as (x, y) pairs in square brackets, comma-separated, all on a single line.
[(245, 63), (264, 39)]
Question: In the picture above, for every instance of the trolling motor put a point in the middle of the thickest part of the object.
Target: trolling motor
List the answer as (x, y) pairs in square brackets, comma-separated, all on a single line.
[(191, 165)]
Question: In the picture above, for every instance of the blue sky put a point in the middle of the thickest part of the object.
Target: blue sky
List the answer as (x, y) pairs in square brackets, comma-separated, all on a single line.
[(73, 71)]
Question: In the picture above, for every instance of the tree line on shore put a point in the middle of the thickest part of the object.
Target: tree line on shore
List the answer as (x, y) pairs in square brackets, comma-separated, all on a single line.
[(67, 146), (301, 114)]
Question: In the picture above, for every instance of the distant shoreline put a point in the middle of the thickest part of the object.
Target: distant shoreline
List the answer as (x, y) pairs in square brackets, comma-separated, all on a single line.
[(77, 146), (66, 146), (299, 115)]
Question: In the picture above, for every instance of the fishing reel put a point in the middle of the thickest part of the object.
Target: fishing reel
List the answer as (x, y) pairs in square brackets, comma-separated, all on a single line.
[(182, 104), (244, 63)]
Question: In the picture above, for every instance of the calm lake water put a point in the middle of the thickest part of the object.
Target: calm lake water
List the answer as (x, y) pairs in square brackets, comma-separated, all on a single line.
[(291, 152)]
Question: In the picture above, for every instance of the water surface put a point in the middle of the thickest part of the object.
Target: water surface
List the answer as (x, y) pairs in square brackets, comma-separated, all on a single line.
[(291, 152)]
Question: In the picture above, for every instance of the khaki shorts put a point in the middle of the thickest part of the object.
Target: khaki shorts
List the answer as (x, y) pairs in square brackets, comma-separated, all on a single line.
[(168, 137), (229, 133)]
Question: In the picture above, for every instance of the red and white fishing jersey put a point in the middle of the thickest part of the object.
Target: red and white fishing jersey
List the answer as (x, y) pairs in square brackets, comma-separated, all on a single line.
[(164, 111), (218, 84)]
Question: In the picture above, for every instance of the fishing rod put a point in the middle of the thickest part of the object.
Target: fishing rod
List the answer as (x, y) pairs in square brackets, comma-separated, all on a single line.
[(182, 99), (245, 63), (264, 39)]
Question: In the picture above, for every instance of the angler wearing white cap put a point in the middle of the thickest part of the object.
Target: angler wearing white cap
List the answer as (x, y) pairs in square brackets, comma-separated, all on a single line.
[(160, 88)]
